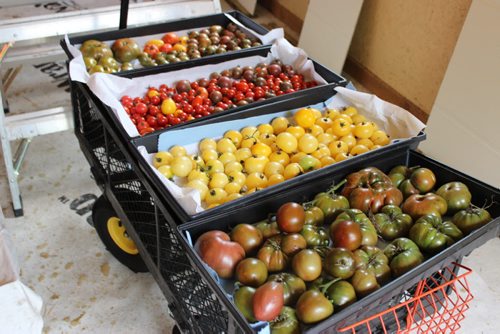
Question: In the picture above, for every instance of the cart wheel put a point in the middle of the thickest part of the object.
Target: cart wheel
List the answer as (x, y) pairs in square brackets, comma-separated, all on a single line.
[(114, 236)]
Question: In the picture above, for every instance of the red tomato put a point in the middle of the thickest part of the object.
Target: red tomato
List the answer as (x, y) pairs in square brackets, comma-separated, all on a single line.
[(126, 101), (167, 47), (268, 301), (197, 101), (219, 253), (142, 124), (151, 49), (146, 131), (155, 100), (161, 119), (241, 86), (201, 91), (170, 38), (141, 109), (152, 121)]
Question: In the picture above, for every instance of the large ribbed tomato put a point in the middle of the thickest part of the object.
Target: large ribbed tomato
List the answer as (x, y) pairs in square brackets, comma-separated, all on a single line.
[(220, 253)]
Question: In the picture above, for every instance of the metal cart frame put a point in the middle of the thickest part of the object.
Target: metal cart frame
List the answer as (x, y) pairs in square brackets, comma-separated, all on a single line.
[(36, 40)]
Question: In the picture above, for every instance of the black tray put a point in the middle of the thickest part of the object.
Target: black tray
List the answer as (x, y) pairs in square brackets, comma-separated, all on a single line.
[(182, 24), (300, 100), (384, 297)]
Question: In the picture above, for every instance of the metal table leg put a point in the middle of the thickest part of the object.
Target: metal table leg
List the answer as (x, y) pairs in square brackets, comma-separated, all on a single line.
[(9, 165)]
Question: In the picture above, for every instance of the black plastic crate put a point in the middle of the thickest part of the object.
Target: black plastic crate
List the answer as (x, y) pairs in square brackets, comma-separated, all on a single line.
[(330, 77), (150, 142), (393, 291), (169, 26)]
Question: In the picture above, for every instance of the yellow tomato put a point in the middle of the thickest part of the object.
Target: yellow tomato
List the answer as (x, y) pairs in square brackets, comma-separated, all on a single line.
[(341, 127), (275, 179), (341, 156), (350, 110), (279, 125), (363, 130), (366, 142), (358, 149), (358, 119), (280, 156), (162, 158), (168, 106), (305, 117), (296, 131), (308, 143), (324, 122), (316, 130), (179, 47), (326, 161), (234, 136), (350, 140), (337, 147), (261, 149), (157, 42), (265, 128), (286, 142), (379, 137), (331, 113)]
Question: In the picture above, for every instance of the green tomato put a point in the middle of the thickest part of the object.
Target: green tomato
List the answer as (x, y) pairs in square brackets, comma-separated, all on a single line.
[(471, 218), (364, 282), (314, 216), (392, 223), (373, 259), (313, 307), (286, 322), (127, 66), (457, 196), (243, 299), (95, 49), (109, 64), (89, 62), (432, 235), (315, 236), (403, 255), (125, 49), (96, 69)]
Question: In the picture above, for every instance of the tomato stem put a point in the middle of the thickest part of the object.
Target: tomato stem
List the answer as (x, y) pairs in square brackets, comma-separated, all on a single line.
[(324, 287), (334, 187)]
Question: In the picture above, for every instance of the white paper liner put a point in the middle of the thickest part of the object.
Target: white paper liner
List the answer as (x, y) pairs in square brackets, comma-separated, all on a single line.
[(396, 121), (110, 88)]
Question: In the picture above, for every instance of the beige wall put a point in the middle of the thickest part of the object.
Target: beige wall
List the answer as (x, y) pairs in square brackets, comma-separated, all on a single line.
[(463, 128), (408, 43)]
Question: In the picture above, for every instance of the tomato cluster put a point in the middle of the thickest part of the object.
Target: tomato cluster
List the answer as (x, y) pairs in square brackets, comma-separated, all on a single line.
[(310, 260), (165, 106)]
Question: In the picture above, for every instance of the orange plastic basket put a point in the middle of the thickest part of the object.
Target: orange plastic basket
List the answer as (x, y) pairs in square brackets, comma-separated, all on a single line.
[(436, 306)]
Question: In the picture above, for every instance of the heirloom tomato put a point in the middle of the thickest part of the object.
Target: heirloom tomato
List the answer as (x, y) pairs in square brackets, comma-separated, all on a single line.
[(403, 255), (432, 234), (370, 189), (221, 254)]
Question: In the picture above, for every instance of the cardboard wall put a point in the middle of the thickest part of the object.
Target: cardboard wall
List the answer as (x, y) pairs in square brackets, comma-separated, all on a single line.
[(463, 129), (407, 44)]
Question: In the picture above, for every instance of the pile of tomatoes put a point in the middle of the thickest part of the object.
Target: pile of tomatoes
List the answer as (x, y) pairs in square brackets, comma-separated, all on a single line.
[(313, 259), (164, 106), (256, 157)]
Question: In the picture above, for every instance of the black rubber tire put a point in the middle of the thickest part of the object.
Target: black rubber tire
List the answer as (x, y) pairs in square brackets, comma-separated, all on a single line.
[(101, 212), (176, 330)]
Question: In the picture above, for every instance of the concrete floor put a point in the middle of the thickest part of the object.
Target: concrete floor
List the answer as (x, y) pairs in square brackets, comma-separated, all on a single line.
[(83, 287)]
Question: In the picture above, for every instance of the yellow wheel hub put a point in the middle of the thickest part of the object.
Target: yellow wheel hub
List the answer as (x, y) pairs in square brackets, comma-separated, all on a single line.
[(120, 237)]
